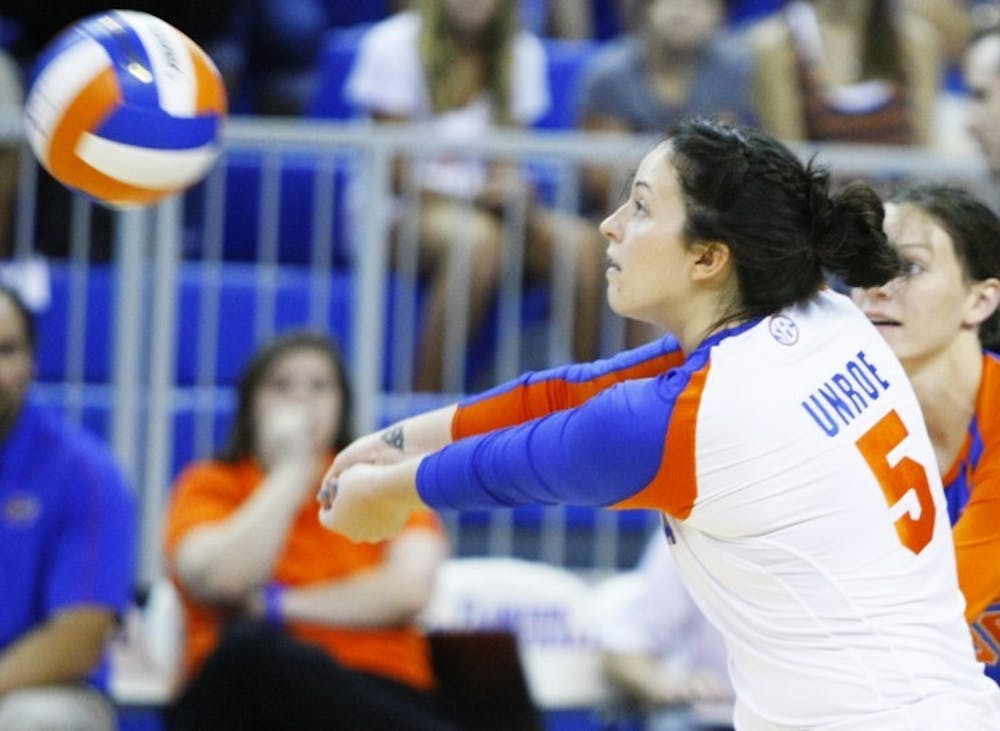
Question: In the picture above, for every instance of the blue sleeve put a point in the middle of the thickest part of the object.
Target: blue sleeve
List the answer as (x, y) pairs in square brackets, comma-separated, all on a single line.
[(596, 454), (93, 557)]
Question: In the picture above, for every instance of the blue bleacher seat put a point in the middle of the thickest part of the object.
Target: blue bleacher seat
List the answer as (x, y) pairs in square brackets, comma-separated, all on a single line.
[(343, 14), (335, 59), (565, 60), (244, 173), (238, 301), (54, 322), (238, 284), (185, 420)]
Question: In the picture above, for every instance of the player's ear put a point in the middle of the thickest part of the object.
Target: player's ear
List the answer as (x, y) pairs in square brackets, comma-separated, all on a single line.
[(711, 260), (984, 298)]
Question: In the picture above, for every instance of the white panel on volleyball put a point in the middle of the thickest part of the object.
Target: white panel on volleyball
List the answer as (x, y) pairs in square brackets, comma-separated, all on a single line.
[(58, 86), (146, 167), (170, 59)]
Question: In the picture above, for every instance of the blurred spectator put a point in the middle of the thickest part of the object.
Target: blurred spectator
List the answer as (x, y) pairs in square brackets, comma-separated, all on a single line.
[(952, 19), (460, 68), (287, 625), (738, 12), (574, 19), (657, 648), (11, 103), (676, 64), (863, 71), (67, 522), (982, 78)]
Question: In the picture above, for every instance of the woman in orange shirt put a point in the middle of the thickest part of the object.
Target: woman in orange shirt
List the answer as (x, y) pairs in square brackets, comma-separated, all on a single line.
[(289, 626)]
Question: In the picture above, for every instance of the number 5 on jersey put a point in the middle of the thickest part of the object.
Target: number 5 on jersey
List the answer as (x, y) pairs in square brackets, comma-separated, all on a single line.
[(904, 484)]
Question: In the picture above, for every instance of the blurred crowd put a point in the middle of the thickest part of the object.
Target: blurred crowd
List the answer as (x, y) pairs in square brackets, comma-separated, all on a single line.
[(269, 50), (875, 72)]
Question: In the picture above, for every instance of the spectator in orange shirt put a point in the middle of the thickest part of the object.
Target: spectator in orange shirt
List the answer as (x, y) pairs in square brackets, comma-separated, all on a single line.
[(289, 626)]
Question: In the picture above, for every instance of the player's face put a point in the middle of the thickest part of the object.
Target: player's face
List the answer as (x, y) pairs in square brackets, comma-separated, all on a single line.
[(923, 312), (16, 362), (303, 379), (982, 77), (648, 256)]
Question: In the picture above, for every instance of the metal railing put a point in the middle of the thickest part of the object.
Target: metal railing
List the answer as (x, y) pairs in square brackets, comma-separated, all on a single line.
[(186, 275)]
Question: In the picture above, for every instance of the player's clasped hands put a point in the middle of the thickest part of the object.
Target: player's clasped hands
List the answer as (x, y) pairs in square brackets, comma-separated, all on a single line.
[(353, 497), (368, 502)]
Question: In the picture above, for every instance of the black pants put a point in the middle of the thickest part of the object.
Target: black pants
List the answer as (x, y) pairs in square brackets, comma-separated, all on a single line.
[(262, 679)]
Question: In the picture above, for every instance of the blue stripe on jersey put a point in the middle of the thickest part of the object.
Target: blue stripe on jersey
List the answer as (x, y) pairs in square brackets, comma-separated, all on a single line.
[(958, 491), (583, 372), (597, 454), (125, 47), (154, 128)]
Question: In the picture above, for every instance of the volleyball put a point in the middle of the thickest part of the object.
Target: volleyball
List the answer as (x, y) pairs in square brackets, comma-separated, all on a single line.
[(125, 109)]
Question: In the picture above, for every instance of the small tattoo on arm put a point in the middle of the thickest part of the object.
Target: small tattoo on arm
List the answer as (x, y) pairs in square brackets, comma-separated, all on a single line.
[(393, 436)]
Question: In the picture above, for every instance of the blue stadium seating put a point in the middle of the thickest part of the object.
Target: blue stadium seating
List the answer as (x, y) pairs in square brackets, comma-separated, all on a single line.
[(238, 285), (54, 323), (244, 177), (335, 59), (565, 61)]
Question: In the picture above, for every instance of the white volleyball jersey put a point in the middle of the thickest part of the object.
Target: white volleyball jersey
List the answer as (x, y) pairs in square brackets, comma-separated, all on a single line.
[(800, 492)]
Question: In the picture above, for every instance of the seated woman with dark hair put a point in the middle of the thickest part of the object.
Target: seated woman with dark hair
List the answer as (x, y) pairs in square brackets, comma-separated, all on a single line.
[(288, 626)]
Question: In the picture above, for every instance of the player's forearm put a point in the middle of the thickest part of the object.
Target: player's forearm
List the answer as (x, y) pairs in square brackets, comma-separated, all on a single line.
[(65, 649), (423, 433)]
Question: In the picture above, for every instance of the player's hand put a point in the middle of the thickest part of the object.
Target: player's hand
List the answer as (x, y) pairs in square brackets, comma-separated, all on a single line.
[(383, 447), (369, 503)]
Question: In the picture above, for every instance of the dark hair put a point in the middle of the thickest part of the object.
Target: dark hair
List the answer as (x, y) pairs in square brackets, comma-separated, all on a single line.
[(439, 49), (974, 230), (27, 318), (785, 232), (882, 48), (242, 435)]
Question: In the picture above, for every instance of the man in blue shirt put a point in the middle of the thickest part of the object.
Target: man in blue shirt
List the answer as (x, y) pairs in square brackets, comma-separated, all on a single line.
[(67, 539)]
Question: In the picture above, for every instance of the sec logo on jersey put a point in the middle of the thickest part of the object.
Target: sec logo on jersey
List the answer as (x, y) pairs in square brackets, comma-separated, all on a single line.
[(784, 330)]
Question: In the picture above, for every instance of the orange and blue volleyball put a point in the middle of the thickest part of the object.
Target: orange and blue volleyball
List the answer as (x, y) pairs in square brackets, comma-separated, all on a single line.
[(125, 109)]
